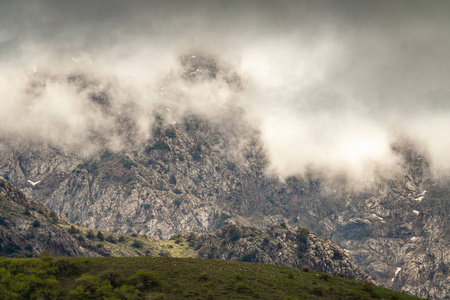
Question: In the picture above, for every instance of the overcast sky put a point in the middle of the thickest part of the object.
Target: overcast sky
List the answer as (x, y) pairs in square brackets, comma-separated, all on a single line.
[(328, 83)]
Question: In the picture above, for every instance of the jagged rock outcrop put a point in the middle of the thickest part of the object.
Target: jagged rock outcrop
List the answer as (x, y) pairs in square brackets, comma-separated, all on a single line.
[(28, 228), (279, 245)]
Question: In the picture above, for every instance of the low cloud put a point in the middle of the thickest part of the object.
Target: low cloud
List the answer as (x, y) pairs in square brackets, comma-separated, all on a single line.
[(328, 85)]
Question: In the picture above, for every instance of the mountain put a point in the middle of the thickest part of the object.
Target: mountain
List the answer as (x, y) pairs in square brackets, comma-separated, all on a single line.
[(198, 173)]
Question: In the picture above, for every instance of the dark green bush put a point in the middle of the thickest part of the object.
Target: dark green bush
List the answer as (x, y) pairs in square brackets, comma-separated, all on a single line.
[(172, 179), (241, 287), (444, 267), (111, 239), (73, 230), (137, 244), (114, 276), (164, 253), (145, 280), (67, 267), (54, 217), (170, 133), (177, 202), (91, 287), (234, 233), (90, 234), (100, 236)]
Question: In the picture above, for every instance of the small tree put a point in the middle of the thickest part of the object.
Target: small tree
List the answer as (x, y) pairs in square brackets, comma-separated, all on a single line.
[(100, 236), (90, 235)]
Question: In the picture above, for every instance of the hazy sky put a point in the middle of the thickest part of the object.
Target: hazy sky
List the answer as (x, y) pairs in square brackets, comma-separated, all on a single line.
[(328, 83)]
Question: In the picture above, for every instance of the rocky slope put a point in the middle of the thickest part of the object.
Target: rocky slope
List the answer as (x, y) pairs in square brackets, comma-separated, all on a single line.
[(279, 245), (197, 173), (28, 228)]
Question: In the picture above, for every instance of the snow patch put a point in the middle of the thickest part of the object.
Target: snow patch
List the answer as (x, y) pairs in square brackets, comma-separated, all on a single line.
[(414, 238), (396, 272), (379, 218), (416, 212), (419, 199)]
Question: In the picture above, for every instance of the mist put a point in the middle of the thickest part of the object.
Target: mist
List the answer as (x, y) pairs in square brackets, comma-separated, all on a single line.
[(329, 84)]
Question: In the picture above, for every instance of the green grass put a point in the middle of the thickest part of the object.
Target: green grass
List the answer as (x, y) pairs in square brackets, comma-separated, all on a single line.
[(172, 278)]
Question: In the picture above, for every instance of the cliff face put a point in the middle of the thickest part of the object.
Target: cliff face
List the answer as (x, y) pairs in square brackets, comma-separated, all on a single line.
[(28, 228)]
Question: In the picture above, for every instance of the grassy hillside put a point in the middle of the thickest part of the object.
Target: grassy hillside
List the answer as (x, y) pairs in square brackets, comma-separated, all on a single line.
[(172, 278)]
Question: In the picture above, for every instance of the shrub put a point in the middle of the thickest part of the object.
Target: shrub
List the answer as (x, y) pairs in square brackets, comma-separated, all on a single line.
[(111, 239), (238, 276), (45, 256), (90, 234), (36, 223), (444, 267), (192, 237), (137, 244), (163, 253), (114, 276), (128, 163), (324, 276), (144, 280), (318, 291), (178, 191), (67, 267), (54, 217), (196, 154), (91, 287), (172, 179), (241, 287), (12, 248), (250, 257), (100, 236), (121, 239), (234, 233), (170, 133), (209, 294), (27, 212), (177, 202), (73, 230), (160, 145)]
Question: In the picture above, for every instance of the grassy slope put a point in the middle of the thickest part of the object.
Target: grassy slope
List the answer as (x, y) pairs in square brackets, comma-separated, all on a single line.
[(136, 245), (179, 278)]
